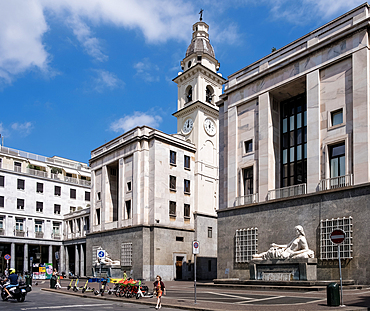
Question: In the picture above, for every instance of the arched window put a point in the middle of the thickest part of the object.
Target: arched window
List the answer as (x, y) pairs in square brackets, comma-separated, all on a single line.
[(209, 94), (189, 94)]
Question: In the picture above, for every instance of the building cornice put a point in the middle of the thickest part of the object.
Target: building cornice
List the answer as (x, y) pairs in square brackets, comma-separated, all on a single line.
[(194, 106), (192, 71)]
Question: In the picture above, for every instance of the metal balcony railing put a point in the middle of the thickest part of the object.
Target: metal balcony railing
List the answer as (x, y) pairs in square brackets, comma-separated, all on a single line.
[(246, 199), (36, 172), (39, 235), (56, 236), (287, 192), (2, 232), (336, 182), (19, 233)]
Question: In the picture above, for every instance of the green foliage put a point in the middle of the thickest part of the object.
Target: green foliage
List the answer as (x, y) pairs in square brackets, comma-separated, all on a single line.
[(56, 170)]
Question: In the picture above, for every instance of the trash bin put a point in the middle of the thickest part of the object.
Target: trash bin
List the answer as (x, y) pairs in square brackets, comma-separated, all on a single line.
[(28, 279), (332, 294), (53, 281)]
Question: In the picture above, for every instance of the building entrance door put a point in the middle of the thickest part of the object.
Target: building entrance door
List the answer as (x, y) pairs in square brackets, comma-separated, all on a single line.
[(179, 260)]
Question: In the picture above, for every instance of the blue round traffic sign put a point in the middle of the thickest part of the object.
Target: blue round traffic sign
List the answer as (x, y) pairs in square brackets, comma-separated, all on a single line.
[(101, 254)]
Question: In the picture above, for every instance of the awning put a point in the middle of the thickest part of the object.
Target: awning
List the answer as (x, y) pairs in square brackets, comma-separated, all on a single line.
[(82, 173), (37, 163), (70, 171)]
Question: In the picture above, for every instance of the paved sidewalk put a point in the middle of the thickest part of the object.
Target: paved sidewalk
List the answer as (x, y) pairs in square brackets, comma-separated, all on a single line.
[(181, 295)]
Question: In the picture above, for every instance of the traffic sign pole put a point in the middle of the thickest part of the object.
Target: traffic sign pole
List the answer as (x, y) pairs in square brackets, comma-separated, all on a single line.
[(195, 252), (337, 237), (340, 277)]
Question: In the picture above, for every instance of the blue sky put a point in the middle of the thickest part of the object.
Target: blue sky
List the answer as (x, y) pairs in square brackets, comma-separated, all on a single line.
[(75, 74)]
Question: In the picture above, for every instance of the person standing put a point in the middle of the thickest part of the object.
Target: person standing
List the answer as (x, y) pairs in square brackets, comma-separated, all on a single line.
[(124, 275), (160, 289)]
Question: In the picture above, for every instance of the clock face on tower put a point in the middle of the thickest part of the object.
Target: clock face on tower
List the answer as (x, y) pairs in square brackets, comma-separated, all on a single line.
[(210, 127), (188, 126)]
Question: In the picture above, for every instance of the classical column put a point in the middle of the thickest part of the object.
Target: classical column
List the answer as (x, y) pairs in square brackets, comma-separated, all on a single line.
[(313, 130), (67, 260), (77, 261), (266, 165), (50, 258), (12, 255), (104, 185), (361, 112), (82, 260), (62, 267), (232, 165), (121, 190), (25, 258)]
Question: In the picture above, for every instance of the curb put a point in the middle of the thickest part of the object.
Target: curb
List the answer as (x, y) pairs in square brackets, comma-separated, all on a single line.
[(137, 301)]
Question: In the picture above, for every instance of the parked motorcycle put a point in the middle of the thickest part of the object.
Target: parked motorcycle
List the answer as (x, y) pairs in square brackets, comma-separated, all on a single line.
[(18, 292)]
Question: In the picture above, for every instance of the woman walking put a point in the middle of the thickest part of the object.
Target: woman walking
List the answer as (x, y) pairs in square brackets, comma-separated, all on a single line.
[(159, 288)]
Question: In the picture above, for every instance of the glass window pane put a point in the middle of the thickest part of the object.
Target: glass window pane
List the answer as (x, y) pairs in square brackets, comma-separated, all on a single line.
[(291, 159), (305, 118), (334, 167), (337, 117), (299, 120), (299, 152), (291, 123), (285, 125), (342, 166), (338, 150), (305, 151), (285, 170), (285, 141), (285, 156), (291, 139), (299, 136)]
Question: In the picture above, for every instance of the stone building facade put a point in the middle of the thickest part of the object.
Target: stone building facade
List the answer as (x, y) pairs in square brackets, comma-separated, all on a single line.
[(37, 194), (155, 193), (294, 149)]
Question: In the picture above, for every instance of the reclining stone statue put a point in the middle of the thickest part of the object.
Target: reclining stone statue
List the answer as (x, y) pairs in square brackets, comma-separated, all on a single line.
[(297, 248)]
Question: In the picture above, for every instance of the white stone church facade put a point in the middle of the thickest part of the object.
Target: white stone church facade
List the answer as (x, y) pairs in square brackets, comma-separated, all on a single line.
[(154, 193)]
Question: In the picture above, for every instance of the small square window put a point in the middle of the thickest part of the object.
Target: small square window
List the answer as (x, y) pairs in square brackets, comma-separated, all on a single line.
[(57, 190), (20, 203), (72, 193), (187, 162), (172, 208), (179, 239), (1, 201), (187, 210), (57, 209), (2, 181), (20, 184), (173, 183), (186, 186), (129, 188), (39, 207), (248, 146), (172, 157), (210, 232), (337, 117), (87, 196), (39, 187)]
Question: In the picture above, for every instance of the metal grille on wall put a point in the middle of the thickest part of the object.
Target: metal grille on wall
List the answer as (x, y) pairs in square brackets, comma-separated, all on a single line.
[(329, 250), (126, 254), (245, 244)]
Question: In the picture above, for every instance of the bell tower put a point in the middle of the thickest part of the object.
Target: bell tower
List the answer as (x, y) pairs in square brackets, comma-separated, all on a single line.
[(199, 88)]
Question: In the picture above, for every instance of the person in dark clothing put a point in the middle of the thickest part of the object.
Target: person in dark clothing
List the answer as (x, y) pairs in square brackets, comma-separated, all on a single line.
[(13, 278), (160, 289)]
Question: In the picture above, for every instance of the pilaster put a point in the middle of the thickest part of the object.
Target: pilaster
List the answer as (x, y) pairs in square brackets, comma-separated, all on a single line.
[(232, 123)]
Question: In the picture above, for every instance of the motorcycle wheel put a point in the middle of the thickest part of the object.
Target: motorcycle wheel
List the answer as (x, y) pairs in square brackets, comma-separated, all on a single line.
[(21, 298), (4, 296)]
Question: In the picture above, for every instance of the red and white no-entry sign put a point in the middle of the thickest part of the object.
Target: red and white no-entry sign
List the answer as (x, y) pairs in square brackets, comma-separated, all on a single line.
[(337, 236)]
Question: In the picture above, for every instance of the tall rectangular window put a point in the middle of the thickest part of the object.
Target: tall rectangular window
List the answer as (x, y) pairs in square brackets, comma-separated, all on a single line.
[(128, 209), (20, 203), (20, 184), (172, 157), (2, 181), (39, 187), (187, 162), (187, 210), (210, 232), (186, 186), (72, 193), (293, 141), (248, 180), (1, 223), (172, 208), (38, 226), (39, 207), (98, 216), (19, 224), (56, 228), (87, 196), (1, 201), (56, 209), (17, 167), (173, 183), (57, 190), (337, 160)]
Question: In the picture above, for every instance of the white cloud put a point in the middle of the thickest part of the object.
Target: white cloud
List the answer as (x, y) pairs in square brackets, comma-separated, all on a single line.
[(136, 119), (23, 128), (105, 79), (146, 70)]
